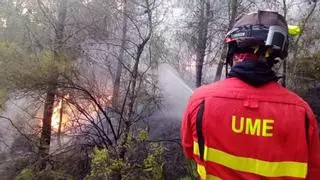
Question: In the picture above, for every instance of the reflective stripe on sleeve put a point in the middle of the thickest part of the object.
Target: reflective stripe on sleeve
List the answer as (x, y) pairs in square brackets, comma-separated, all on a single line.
[(255, 166)]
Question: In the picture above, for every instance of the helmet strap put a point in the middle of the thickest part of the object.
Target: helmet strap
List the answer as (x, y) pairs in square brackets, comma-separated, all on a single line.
[(232, 47), (230, 53)]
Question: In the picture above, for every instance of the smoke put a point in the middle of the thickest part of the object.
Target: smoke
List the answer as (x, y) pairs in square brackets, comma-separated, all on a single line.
[(174, 90), (175, 94), (22, 113)]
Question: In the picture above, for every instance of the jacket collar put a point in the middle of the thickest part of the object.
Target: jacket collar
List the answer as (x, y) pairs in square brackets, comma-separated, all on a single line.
[(253, 72)]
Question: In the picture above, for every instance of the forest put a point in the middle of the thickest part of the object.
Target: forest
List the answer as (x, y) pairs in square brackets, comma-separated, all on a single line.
[(96, 89)]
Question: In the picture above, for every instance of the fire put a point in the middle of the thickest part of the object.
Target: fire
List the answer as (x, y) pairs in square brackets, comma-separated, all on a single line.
[(65, 120), (55, 119), (57, 116)]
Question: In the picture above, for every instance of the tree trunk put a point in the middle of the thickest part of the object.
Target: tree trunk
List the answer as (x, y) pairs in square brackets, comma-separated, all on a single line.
[(132, 97), (60, 122), (296, 43), (116, 85), (202, 39), (132, 88), (221, 63), (46, 126), (284, 70), (233, 7), (52, 88)]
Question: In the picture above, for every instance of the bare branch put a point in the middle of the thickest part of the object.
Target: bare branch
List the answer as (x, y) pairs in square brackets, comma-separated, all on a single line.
[(18, 129), (50, 20)]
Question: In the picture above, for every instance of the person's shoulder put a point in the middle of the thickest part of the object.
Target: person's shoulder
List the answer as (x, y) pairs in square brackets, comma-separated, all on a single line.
[(293, 96), (202, 91)]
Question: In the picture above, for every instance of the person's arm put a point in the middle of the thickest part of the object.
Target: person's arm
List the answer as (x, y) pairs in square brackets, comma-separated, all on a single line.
[(314, 148), (186, 133), (188, 126)]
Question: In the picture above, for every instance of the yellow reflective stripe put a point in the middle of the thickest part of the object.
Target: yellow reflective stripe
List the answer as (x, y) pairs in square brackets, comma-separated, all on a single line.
[(212, 177), (204, 175), (294, 30), (255, 166), (201, 171)]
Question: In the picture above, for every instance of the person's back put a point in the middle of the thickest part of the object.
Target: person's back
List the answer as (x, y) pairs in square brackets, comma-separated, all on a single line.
[(250, 127), (250, 133)]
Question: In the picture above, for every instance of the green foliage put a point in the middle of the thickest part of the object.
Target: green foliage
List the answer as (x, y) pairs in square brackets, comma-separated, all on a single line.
[(3, 95), (99, 164), (28, 72), (7, 53), (26, 174), (309, 67), (186, 178), (143, 135), (30, 174), (102, 165), (105, 166), (53, 175), (306, 73), (191, 170), (153, 162)]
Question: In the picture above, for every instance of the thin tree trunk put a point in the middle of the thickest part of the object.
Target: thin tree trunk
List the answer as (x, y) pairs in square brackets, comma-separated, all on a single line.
[(116, 85), (202, 39), (284, 8), (296, 43), (132, 91), (293, 68), (221, 63), (284, 71), (132, 96), (46, 126), (60, 122), (52, 88), (233, 6)]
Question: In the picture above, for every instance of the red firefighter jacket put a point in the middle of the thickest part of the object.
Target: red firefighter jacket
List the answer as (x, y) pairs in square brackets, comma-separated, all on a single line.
[(237, 131)]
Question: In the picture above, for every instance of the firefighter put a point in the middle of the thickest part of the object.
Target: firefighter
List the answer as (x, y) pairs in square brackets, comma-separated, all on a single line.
[(248, 126)]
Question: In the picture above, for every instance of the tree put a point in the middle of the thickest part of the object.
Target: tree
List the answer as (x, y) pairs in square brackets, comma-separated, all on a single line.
[(43, 63), (202, 38), (132, 92), (59, 26), (284, 71), (116, 85), (233, 5)]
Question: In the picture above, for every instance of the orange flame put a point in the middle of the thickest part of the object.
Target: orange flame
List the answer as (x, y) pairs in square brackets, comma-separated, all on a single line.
[(55, 119), (56, 115), (60, 106)]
